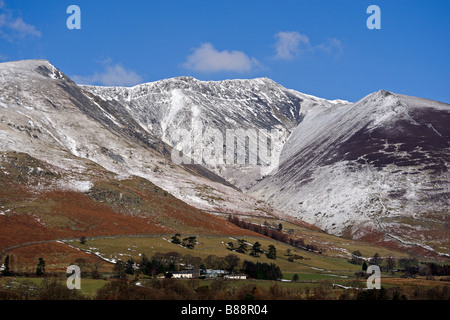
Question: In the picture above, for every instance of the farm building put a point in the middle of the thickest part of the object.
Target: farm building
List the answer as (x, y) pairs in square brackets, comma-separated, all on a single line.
[(211, 273)]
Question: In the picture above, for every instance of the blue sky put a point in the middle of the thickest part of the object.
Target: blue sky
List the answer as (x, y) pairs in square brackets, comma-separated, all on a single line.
[(320, 47)]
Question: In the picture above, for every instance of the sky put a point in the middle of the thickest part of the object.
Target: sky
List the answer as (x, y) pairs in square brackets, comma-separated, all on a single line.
[(319, 47)]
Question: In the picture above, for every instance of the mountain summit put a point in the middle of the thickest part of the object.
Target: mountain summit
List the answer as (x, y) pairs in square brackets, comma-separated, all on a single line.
[(376, 169), (379, 166)]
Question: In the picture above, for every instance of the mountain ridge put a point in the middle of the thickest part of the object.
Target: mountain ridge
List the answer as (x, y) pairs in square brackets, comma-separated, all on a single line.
[(356, 169), (366, 166), (51, 118)]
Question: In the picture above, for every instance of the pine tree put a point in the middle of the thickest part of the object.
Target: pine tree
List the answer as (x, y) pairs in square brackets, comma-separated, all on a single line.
[(242, 246), (364, 266), (189, 242), (6, 271), (256, 249), (40, 270), (175, 239), (129, 267), (272, 254)]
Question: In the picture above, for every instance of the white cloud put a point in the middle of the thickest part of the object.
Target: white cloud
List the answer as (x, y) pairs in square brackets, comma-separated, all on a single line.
[(23, 28), (291, 44), (207, 59), (333, 46), (112, 75), (12, 27)]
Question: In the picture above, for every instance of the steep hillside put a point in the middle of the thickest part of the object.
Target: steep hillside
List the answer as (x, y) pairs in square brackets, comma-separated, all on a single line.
[(86, 159), (377, 169), (207, 109), (46, 115), (39, 202)]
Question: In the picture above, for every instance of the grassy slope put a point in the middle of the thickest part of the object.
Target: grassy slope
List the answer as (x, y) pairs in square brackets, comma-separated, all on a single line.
[(34, 208), (135, 206), (126, 248), (331, 245)]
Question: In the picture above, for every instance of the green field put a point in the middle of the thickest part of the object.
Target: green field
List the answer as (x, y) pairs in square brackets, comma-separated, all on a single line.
[(317, 274), (88, 286), (133, 248)]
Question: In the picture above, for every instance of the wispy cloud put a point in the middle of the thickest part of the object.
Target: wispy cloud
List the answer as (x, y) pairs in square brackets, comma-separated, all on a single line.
[(206, 58), (12, 27), (292, 44), (111, 75), (333, 46)]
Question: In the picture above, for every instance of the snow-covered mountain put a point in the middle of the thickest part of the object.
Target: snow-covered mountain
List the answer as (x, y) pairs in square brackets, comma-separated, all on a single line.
[(378, 166), (46, 115), (377, 169), (166, 106)]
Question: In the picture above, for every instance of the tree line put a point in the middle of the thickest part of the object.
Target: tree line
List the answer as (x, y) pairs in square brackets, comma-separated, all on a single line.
[(255, 250), (166, 263), (410, 266), (273, 233), (7, 272), (265, 271), (188, 242)]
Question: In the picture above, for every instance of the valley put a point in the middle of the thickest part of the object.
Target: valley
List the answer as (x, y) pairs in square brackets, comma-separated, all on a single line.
[(351, 181)]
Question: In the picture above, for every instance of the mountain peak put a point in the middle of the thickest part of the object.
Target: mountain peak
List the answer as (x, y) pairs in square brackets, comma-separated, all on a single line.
[(32, 68), (30, 64), (385, 93)]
